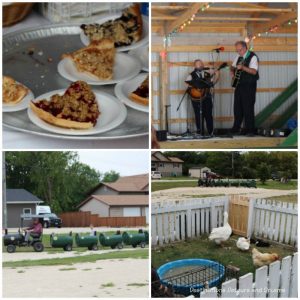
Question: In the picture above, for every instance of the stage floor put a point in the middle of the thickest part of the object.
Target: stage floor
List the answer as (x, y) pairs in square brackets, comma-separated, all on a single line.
[(239, 142)]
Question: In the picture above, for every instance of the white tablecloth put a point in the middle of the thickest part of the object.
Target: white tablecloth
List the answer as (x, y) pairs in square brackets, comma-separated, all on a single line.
[(17, 140)]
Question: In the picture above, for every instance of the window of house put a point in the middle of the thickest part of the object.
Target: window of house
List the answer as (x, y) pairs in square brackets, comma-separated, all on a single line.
[(26, 211), (175, 165), (161, 165)]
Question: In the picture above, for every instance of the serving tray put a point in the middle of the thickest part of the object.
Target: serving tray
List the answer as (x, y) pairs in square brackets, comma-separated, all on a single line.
[(31, 57)]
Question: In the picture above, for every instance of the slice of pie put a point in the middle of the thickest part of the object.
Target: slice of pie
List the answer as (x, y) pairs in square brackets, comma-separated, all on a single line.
[(77, 108), (124, 30), (12, 92), (97, 59), (141, 94)]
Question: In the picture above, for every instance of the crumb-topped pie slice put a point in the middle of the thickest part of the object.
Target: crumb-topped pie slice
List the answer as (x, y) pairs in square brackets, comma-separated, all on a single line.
[(97, 59), (12, 92), (77, 108), (141, 94), (124, 30)]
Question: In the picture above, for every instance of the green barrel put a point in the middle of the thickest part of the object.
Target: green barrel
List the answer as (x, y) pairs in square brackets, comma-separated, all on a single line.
[(134, 239), (89, 241), (62, 241), (113, 241)]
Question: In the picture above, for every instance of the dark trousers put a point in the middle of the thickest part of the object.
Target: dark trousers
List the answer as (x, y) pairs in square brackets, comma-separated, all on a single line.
[(244, 101), (207, 108)]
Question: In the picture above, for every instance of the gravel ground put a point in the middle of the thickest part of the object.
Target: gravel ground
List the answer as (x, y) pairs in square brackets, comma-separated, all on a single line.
[(83, 229), (105, 278), (184, 192)]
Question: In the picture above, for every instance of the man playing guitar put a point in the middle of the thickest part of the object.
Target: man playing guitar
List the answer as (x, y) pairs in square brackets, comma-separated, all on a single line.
[(244, 72), (209, 76)]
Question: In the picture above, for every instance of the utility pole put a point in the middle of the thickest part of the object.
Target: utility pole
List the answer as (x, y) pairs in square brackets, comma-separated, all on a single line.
[(4, 207), (232, 163)]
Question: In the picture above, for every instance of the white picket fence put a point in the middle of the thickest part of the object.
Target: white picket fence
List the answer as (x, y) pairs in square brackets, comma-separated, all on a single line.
[(178, 220), (188, 218), (274, 220), (279, 280)]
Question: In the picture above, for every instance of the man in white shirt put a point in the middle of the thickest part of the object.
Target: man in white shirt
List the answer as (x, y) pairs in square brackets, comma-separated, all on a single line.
[(245, 92)]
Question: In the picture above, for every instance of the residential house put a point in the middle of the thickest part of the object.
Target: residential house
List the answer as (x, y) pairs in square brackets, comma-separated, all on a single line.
[(19, 201), (199, 172), (166, 165), (126, 197)]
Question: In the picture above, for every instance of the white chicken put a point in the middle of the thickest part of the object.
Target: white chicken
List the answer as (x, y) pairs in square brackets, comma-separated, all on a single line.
[(221, 234), (243, 244)]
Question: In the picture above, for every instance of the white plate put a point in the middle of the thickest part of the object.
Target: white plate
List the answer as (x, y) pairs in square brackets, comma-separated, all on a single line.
[(143, 41), (19, 106), (142, 54), (124, 88), (125, 68), (113, 113)]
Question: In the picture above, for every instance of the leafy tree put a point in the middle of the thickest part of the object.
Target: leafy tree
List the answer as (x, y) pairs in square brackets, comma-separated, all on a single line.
[(263, 172), (111, 176), (58, 178)]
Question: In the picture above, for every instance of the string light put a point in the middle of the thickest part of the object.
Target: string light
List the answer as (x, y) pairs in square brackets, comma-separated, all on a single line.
[(180, 28), (271, 30)]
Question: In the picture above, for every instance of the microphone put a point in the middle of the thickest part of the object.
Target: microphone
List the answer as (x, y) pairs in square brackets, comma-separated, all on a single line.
[(218, 49)]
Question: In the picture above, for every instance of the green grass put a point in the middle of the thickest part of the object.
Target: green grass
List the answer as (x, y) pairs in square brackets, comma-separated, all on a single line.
[(285, 198), (137, 254), (203, 248), (109, 284), (271, 184), (157, 186), (137, 284), (203, 196), (50, 250), (176, 178)]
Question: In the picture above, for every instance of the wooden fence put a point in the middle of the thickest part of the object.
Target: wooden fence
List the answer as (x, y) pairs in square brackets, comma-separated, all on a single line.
[(84, 219), (178, 220), (188, 218), (275, 221), (279, 280)]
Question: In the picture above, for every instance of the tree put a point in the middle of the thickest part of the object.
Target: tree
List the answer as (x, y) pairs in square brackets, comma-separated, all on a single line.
[(57, 177), (111, 176), (263, 172)]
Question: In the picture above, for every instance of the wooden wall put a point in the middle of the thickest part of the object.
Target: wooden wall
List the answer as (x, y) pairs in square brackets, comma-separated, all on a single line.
[(278, 68)]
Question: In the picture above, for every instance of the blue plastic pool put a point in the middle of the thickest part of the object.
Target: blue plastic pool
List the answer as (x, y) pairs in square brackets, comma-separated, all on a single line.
[(186, 283)]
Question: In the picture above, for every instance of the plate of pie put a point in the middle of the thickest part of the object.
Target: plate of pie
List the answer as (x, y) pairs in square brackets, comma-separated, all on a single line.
[(129, 30), (77, 111), (15, 96), (98, 64), (134, 92), (142, 53)]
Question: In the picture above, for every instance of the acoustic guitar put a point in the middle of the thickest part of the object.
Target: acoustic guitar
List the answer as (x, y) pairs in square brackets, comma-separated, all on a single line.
[(198, 94), (237, 75)]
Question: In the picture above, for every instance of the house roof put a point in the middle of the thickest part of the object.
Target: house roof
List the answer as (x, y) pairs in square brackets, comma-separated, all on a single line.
[(198, 168), (17, 196), (164, 158), (119, 200), (135, 183)]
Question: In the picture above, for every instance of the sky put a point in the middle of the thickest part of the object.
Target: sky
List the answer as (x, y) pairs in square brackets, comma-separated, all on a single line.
[(124, 162)]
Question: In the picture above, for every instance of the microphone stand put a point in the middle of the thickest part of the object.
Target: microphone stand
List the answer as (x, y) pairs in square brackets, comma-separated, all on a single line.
[(188, 134)]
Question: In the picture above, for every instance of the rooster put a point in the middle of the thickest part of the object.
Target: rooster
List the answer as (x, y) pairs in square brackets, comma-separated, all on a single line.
[(263, 259)]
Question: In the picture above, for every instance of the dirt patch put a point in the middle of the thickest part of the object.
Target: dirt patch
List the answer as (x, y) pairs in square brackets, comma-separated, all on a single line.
[(79, 283)]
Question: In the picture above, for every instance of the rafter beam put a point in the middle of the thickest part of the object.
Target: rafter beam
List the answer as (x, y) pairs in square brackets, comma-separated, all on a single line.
[(177, 23), (283, 18), (193, 9)]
